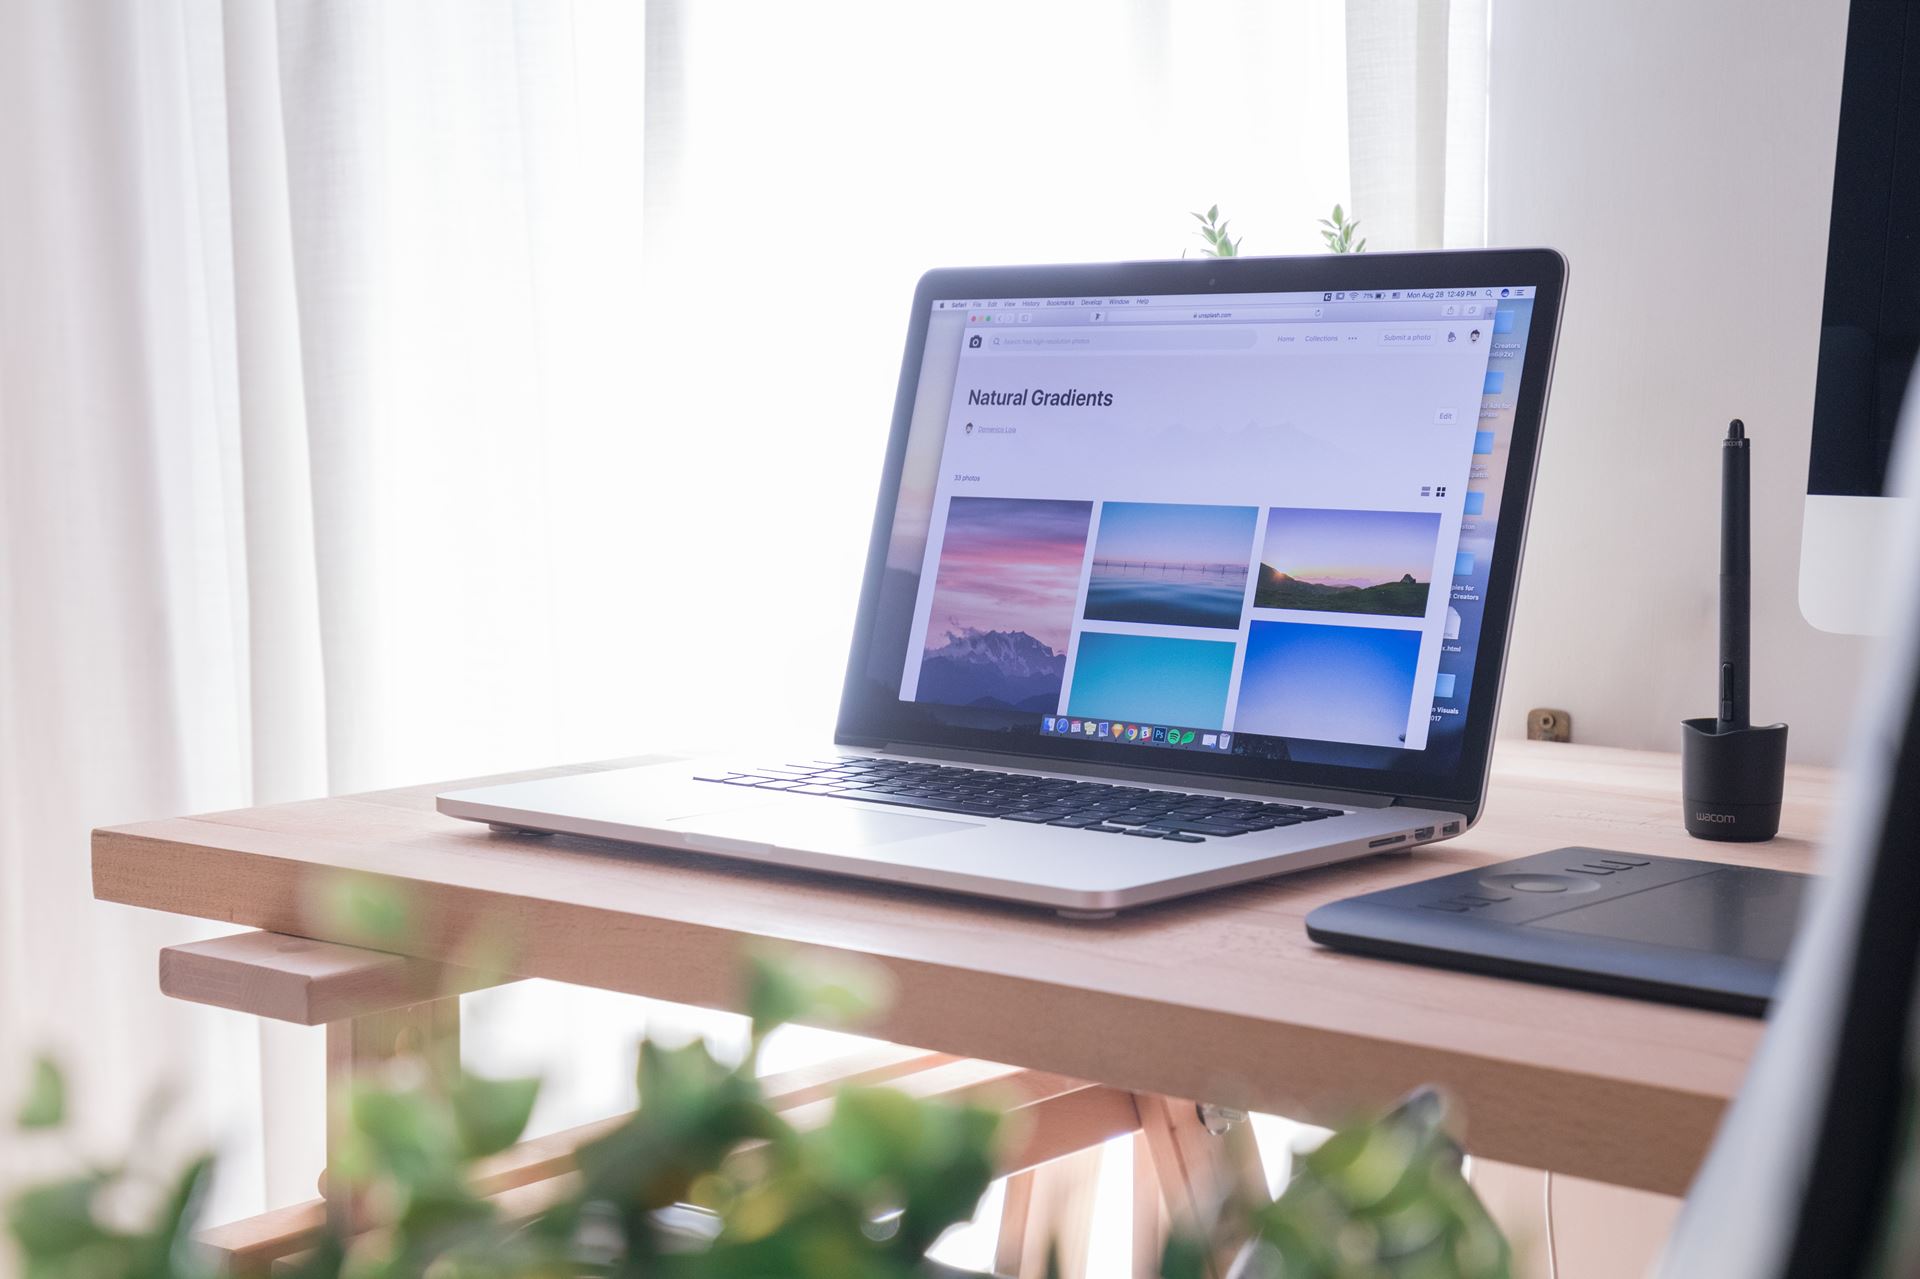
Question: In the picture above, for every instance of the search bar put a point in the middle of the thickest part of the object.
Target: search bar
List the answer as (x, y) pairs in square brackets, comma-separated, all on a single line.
[(1078, 340)]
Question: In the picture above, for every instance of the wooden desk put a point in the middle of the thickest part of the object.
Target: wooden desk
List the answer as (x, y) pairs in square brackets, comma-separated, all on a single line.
[(1220, 997)]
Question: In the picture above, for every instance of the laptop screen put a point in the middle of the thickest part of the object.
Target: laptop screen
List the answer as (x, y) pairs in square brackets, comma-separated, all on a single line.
[(1239, 526)]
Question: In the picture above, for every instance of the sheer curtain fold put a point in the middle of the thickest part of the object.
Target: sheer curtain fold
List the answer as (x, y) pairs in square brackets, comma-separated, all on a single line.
[(391, 392), (1417, 121), (122, 681)]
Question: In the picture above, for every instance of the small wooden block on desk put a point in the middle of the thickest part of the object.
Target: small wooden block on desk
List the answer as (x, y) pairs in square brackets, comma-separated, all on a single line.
[(304, 981)]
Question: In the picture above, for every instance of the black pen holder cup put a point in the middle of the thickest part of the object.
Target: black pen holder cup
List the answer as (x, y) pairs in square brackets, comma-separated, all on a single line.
[(1730, 783)]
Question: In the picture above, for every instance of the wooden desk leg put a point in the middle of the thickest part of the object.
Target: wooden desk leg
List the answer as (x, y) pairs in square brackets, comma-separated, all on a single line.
[(1198, 1170), (1149, 1212), (1049, 1209), (357, 1050)]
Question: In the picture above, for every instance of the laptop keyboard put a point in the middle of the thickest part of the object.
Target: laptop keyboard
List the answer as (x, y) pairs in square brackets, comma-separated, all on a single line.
[(1097, 807)]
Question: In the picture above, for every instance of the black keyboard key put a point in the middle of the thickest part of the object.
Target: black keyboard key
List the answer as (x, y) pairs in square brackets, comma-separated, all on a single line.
[(1147, 832), (1181, 838), (1105, 830), (1031, 817), (1212, 828), (1076, 823)]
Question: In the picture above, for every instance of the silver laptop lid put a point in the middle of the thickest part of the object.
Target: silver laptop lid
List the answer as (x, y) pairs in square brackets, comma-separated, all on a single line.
[(1253, 518)]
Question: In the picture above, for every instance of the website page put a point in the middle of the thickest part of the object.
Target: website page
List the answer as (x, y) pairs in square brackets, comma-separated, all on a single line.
[(1214, 523)]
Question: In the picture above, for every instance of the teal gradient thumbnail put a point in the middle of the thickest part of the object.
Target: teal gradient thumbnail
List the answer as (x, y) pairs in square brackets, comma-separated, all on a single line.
[(1151, 679)]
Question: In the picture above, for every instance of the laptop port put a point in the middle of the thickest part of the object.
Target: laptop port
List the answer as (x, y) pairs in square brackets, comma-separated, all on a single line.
[(1425, 832), (1388, 842), (1451, 828)]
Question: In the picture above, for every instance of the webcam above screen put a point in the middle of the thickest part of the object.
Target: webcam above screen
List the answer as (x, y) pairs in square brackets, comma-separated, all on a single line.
[(1869, 324)]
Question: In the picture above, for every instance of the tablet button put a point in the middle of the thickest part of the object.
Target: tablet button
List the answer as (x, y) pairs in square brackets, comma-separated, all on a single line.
[(1539, 882)]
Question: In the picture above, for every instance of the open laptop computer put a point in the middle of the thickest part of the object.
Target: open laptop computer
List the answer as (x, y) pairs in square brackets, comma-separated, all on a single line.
[(1183, 574)]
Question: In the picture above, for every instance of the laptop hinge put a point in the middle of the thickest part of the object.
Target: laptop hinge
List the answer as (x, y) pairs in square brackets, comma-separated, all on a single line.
[(1146, 776)]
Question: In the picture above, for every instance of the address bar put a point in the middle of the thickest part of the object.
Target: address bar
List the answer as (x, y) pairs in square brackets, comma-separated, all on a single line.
[(1076, 340), (1226, 312)]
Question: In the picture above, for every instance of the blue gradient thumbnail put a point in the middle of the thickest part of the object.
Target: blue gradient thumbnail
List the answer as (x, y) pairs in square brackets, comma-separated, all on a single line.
[(1328, 683)]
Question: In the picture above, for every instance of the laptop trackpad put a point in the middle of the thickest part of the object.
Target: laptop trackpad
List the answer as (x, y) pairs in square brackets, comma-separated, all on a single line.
[(812, 824)]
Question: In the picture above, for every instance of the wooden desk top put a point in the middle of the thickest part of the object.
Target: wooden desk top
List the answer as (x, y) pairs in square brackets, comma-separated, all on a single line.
[(1219, 997)]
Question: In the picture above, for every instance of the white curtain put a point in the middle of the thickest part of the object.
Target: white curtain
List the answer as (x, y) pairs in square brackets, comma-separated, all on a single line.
[(1417, 121), (392, 392)]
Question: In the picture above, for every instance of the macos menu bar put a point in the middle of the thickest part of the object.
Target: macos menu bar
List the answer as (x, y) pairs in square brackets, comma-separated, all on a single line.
[(1373, 304)]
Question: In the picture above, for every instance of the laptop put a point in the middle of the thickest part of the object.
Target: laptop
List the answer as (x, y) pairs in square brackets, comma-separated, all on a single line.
[(1182, 574)]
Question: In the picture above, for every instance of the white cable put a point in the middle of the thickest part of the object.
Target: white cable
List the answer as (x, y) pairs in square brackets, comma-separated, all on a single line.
[(1553, 1262)]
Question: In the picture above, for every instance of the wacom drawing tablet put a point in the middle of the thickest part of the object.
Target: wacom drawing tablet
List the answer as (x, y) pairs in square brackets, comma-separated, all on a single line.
[(1666, 928)]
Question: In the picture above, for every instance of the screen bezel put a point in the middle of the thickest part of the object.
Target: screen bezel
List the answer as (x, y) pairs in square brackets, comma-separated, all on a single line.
[(862, 723)]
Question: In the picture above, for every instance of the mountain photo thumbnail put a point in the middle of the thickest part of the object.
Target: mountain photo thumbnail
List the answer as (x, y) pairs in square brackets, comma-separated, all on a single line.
[(1345, 561), (1003, 601), (1000, 669), (1404, 598)]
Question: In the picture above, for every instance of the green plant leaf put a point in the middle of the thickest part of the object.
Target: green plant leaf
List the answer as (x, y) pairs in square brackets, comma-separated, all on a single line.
[(56, 1219), (1184, 1257), (1213, 214), (820, 991), (46, 1102), (490, 1114), (408, 1135), (1338, 216), (371, 911), (170, 1248)]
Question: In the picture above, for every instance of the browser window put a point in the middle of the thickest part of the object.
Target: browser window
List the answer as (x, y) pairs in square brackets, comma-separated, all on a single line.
[(1222, 523)]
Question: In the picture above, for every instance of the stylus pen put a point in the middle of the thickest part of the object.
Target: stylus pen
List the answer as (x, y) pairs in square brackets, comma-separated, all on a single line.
[(1736, 585)]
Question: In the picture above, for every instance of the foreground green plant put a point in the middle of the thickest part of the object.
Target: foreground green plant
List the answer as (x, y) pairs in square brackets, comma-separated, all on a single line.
[(705, 1180), (1379, 1200), (60, 1229), (862, 1197)]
